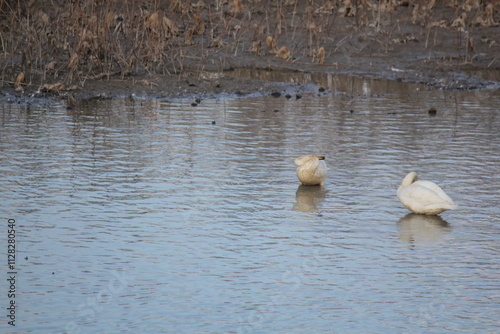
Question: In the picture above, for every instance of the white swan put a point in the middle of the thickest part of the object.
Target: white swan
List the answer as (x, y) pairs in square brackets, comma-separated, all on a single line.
[(424, 197), (311, 170)]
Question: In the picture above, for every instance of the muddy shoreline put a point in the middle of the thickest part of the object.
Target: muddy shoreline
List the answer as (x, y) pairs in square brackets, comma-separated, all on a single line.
[(211, 84), (441, 47)]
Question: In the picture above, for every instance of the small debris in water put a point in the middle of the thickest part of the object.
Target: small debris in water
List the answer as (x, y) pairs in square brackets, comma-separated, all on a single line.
[(102, 96), (262, 111), (71, 101)]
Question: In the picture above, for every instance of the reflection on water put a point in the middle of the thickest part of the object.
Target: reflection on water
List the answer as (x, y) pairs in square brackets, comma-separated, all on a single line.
[(140, 215), (309, 198), (417, 229), (334, 82)]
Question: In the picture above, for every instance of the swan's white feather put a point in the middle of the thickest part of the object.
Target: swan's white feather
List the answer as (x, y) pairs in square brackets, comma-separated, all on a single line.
[(424, 197), (311, 170)]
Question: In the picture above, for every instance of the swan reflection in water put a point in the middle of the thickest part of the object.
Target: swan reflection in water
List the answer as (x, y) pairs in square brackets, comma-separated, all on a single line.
[(422, 229), (308, 198)]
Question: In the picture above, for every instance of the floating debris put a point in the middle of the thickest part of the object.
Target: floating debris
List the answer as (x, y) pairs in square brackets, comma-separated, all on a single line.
[(102, 96), (70, 102)]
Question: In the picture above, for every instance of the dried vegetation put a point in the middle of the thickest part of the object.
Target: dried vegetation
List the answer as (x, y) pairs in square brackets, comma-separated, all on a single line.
[(58, 45)]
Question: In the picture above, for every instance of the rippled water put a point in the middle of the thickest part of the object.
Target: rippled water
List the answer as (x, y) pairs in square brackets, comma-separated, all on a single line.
[(143, 215)]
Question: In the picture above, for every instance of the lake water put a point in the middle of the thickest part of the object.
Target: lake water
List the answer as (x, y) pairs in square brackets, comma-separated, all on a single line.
[(149, 216)]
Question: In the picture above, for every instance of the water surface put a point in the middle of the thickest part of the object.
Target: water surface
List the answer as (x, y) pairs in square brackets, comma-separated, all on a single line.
[(145, 215)]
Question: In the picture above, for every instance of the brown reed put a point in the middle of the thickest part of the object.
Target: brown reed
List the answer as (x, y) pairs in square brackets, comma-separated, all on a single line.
[(70, 42)]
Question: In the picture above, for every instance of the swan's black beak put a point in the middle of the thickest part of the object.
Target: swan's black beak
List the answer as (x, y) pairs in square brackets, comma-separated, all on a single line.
[(320, 157)]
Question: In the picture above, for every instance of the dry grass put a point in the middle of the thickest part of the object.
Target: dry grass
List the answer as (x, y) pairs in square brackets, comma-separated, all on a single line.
[(70, 42)]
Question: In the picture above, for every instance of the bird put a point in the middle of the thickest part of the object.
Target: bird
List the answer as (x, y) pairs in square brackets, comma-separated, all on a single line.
[(423, 197), (311, 170)]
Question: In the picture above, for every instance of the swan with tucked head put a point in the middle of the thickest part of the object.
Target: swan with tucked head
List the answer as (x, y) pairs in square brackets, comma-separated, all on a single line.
[(311, 170), (424, 197)]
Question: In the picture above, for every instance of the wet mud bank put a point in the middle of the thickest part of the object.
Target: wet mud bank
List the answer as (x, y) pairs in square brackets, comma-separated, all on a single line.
[(255, 80), (79, 50), (247, 81)]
